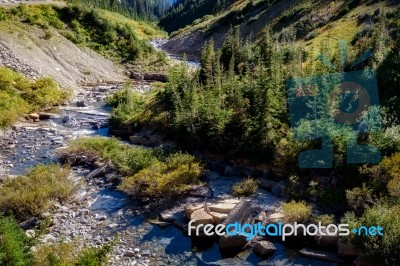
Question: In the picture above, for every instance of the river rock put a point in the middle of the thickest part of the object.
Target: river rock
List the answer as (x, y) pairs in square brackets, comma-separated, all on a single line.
[(191, 208), (218, 217), (201, 217), (137, 76), (276, 217), (66, 119), (240, 214), (321, 255), (82, 103), (264, 248), (33, 116), (45, 116), (222, 207), (155, 77), (99, 171)]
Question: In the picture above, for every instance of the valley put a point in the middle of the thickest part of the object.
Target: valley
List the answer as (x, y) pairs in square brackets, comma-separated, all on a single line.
[(116, 134)]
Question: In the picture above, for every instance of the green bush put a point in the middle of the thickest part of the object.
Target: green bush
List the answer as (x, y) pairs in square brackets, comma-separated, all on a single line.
[(70, 254), (18, 95), (34, 193), (128, 159), (386, 248), (297, 212), (245, 188), (14, 248), (164, 179)]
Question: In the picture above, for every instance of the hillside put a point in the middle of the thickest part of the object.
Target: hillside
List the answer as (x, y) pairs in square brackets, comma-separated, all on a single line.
[(306, 21), (44, 40), (186, 12)]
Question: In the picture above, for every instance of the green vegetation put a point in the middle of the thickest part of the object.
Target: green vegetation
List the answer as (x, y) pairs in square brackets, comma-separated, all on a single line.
[(16, 249), (149, 173), (129, 160), (186, 12), (298, 212), (34, 193), (177, 174), (245, 188), (14, 244), (19, 96), (110, 34), (137, 9)]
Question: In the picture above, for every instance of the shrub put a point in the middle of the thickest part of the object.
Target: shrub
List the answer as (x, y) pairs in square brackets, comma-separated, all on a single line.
[(325, 219), (18, 95), (164, 179), (128, 159), (14, 249), (70, 253), (34, 193), (245, 188), (386, 248), (296, 212), (360, 198)]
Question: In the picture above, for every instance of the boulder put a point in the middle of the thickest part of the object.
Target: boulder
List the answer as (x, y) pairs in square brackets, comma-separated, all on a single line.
[(191, 208), (201, 217), (66, 119), (218, 217), (264, 248), (228, 171), (321, 255), (99, 171), (232, 242), (82, 103), (155, 77), (222, 207), (240, 214), (33, 116), (45, 116), (137, 76), (276, 217), (171, 215), (348, 250)]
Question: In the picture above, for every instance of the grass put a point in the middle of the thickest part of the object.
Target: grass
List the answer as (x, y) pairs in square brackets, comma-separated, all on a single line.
[(245, 188), (35, 192), (164, 179), (19, 95), (148, 174), (110, 34), (128, 159)]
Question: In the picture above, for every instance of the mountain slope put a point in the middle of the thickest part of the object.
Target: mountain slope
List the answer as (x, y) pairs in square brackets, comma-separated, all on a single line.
[(75, 45), (301, 20)]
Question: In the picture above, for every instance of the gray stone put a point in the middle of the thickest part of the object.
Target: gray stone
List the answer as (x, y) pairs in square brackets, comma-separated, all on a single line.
[(264, 248), (82, 103), (321, 255)]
